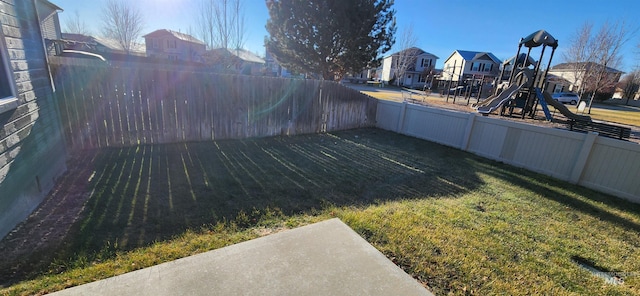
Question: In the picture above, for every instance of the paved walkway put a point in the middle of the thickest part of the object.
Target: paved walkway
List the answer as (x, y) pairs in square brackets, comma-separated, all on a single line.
[(326, 258)]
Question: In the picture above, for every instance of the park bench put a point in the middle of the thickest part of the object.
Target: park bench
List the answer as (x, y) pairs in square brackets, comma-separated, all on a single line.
[(604, 129)]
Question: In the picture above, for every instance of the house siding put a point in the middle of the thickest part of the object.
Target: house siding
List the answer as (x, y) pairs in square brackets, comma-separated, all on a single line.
[(184, 50), (50, 26), (32, 152), (411, 77), (386, 69), (457, 74), (570, 77), (449, 72)]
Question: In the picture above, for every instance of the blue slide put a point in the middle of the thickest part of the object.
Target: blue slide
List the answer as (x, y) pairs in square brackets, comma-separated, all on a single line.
[(545, 97), (543, 104)]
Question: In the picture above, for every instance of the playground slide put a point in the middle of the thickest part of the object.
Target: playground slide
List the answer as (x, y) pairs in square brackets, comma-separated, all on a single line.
[(495, 102), (561, 107), (543, 104)]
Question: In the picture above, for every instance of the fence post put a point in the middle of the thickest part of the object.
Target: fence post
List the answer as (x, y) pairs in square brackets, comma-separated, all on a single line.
[(583, 156), (471, 119), (403, 111)]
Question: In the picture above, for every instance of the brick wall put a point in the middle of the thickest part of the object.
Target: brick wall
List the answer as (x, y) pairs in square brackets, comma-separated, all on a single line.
[(32, 153)]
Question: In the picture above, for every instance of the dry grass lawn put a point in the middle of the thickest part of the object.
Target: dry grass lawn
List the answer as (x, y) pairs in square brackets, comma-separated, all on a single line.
[(458, 223)]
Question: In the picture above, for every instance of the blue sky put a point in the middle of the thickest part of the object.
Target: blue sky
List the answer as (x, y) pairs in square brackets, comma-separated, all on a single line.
[(441, 26)]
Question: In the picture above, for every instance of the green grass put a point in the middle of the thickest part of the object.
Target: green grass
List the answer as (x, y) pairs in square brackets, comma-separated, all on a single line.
[(456, 222), (628, 116)]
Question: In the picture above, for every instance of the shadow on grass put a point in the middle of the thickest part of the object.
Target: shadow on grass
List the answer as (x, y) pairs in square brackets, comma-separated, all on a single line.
[(141, 195), (549, 188), (150, 193)]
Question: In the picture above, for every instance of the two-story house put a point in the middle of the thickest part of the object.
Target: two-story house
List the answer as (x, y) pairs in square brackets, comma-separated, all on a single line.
[(409, 67), (462, 65), (508, 64), (174, 46), (580, 75)]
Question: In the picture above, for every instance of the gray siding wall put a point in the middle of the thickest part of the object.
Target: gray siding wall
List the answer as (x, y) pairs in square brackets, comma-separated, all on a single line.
[(32, 152), (50, 26)]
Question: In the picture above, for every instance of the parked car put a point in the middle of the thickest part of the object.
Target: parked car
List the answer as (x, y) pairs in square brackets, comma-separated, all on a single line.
[(566, 97)]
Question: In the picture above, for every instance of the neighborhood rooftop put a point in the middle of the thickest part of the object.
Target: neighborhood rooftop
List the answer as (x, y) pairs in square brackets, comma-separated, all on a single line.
[(181, 36), (418, 51), (474, 55), (572, 67)]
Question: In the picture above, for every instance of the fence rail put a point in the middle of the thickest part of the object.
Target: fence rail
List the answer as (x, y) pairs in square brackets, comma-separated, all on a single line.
[(124, 106), (600, 163)]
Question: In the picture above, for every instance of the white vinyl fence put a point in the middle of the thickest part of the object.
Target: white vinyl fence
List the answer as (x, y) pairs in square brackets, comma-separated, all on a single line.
[(604, 164)]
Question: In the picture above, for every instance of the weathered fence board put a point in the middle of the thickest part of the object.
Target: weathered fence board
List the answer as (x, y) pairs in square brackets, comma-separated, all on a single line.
[(106, 106)]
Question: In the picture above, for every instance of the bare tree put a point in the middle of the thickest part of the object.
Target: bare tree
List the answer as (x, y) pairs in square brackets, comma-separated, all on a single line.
[(608, 43), (594, 57), (404, 59), (630, 84), (122, 22), (240, 29), (75, 25), (221, 23), (579, 53)]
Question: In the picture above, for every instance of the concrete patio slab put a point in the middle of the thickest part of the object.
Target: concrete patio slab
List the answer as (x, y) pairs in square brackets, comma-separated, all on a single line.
[(326, 258)]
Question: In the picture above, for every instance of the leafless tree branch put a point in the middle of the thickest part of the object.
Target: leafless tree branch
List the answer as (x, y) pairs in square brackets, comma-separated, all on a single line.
[(122, 22), (221, 23), (406, 57), (75, 25)]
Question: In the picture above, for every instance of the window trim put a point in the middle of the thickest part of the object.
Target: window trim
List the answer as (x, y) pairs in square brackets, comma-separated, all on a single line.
[(9, 102)]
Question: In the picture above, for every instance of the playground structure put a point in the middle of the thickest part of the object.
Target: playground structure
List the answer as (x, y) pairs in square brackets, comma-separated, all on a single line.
[(525, 90), (521, 95)]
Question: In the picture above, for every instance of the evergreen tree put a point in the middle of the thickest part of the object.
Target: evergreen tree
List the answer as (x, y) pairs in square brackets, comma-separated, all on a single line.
[(330, 37)]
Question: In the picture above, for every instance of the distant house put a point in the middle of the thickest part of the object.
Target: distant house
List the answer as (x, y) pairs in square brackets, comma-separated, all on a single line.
[(573, 75), (273, 68), (507, 65), (174, 46), (106, 47), (238, 61), (416, 70), (462, 65), (32, 151), (50, 25), (362, 76)]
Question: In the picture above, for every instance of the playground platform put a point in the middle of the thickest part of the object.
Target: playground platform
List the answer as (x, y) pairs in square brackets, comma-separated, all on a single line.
[(326, 258)]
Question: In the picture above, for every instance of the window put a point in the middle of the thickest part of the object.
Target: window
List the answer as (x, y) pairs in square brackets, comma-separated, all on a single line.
[(173, 57), (421, 78), (481, 67), (558, 88), (425, 63), (172, 44), (156, 43), (8, 99)]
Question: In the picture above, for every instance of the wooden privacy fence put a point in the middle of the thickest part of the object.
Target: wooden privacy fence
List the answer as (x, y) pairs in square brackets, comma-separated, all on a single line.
[(115, 107)]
